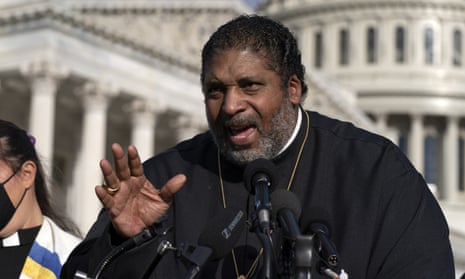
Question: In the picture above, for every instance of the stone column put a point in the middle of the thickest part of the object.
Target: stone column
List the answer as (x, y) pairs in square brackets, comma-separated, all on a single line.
[(450, 159), (462, 170), (389, 132), (386, 39), (331, 47), (357, 38), (415, 43), (447, 39), (144, 119), (416, 142), (83, 204), (44, 77), (307, 46)]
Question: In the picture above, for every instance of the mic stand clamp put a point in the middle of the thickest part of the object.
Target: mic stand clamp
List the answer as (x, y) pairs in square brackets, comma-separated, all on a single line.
[(328, 257), (194, 254), (155, 231), (303, 256)]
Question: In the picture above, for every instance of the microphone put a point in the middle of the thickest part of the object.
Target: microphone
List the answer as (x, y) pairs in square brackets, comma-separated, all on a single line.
[(258, 178), (316, 224), (218, 239), (286, 206)]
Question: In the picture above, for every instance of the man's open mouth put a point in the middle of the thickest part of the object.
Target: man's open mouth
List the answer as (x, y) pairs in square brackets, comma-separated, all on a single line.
[(242, 134)]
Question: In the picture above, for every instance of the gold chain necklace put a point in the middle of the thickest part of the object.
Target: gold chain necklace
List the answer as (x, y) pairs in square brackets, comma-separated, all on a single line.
[(223, 199)]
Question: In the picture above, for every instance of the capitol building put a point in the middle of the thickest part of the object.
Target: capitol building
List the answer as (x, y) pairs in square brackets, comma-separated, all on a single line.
[(82, 74)]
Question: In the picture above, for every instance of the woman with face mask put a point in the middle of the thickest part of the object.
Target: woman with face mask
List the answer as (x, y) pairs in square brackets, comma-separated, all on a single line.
[(34, 240)]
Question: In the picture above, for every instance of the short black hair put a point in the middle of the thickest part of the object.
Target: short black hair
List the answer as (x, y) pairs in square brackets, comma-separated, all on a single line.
[(260, 34)]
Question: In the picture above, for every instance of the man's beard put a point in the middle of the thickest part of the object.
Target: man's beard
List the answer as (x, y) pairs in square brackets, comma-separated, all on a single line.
[(270, 143)]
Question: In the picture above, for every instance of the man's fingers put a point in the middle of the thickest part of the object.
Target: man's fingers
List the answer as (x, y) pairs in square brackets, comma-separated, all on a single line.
[(135, 164), (172, 187), (106, 167), (121, 163), (103, 196), (109, 176)]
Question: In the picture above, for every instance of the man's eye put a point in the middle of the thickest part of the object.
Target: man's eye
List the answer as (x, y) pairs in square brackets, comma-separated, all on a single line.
[(214, 92), (251, 86)]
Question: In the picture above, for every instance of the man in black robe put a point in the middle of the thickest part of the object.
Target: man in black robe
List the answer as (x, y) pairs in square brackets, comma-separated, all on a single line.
[(382, 220)]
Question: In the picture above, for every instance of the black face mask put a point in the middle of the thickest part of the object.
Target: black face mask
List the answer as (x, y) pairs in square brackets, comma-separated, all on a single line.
[(7, 209)]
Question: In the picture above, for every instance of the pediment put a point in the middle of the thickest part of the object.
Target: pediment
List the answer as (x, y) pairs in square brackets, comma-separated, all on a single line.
[(170, 33), (165, 30)]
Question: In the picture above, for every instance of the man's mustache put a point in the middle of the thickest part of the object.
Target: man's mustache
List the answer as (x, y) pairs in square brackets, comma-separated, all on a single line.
[(240, 120)]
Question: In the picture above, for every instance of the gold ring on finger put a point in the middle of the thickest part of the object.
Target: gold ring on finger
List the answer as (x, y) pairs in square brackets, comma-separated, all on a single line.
[(111, 190)]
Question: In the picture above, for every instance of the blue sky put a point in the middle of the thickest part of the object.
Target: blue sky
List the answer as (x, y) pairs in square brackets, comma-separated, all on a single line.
[(252, 3)]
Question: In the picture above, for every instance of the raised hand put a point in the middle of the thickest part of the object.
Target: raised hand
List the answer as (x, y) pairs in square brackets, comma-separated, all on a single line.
[(132, 202)]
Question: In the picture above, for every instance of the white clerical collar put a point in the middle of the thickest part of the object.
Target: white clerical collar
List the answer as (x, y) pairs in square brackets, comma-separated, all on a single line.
[(294, 133), (12, 240)]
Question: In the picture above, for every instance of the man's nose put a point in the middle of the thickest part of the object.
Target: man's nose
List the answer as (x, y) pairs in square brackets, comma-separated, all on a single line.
[(234, 101)]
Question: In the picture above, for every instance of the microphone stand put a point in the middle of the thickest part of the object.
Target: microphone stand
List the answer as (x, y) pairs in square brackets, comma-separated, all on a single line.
[(269, 269), (258, 178)]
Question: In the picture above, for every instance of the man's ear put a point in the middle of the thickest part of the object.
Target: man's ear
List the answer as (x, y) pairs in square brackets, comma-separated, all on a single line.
[(28, 173), (294, 89)]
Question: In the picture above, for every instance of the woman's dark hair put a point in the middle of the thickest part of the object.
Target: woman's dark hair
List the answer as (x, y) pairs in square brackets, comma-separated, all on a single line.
[(265, 36), (17, 147)]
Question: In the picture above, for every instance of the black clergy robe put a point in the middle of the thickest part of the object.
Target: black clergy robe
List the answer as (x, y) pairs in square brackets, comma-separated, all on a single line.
[(383, 220)]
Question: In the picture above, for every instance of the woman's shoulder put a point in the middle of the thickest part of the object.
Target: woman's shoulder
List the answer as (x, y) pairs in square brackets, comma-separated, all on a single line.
[(62, 242)]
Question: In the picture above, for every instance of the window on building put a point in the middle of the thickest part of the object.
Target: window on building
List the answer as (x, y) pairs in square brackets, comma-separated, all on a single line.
[(400, 44), (461, 165), (428, 45), (457, 48), (344, 47), (318, 50), (372, 48), (402, 143), (431, 159)]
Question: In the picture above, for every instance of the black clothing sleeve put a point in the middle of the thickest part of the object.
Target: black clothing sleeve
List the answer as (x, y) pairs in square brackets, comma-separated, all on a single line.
[(92, 254), (412, 236)]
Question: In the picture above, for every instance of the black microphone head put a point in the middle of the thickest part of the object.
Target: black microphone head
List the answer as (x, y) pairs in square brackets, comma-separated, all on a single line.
[(223, 231), (260, 169), (281, 198), (316, 221)]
